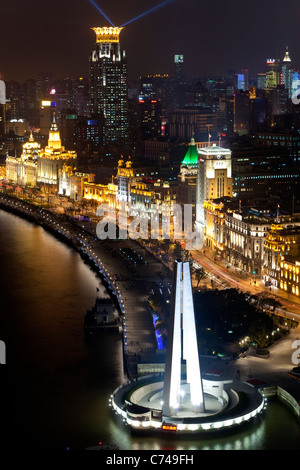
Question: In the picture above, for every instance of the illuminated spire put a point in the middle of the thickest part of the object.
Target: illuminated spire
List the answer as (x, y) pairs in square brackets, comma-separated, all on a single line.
[(287, 55), (54, 140)]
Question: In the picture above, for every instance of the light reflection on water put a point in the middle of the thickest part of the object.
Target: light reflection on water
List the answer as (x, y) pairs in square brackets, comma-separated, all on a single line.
[(59, 384)]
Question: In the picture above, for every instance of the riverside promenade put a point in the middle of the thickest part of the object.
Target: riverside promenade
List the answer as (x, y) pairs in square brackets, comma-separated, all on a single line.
[(127, 282), (130, 285)]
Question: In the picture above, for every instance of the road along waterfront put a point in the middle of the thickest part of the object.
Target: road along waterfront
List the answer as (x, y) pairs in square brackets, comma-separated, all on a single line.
[(58, 398)]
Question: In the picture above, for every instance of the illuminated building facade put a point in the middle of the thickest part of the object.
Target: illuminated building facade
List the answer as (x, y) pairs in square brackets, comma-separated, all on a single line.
[(282, 242), (141, 197), (125, 176), (244, 240), (53, 157), (289, 276), (78, 186), (261, 81), (23, 170), (214, 181), (215, 230), (272, 74), (218, 171), (129, 173), (242, 80), (102, 193), (108, 84), (181, 387)]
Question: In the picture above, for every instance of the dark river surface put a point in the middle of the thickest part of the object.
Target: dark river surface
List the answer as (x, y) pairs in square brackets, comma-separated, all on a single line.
[(55, 386)]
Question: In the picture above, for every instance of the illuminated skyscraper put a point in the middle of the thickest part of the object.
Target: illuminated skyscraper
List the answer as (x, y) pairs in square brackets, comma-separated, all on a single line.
[(182, 387), (214, 181), (108, 84), (272, 75), (287, 73), (242, 80)]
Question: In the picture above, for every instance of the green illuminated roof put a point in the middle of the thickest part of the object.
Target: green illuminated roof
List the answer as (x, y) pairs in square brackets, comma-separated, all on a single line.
[(191, 156)]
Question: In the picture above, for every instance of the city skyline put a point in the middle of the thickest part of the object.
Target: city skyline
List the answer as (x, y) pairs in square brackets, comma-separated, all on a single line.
[(213, 38)]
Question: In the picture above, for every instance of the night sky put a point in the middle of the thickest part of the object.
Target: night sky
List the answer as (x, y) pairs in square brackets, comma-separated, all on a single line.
[(214, 35)]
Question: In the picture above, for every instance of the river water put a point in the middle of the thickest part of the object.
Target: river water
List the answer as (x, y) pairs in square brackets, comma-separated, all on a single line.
[(55, 386)]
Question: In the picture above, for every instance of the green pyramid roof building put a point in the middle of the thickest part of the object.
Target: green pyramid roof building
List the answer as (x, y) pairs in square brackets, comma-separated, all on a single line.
[(191, 156)]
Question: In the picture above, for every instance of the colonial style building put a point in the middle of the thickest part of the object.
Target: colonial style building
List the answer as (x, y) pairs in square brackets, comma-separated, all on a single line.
[(215, 230), (244, 240), (289, 276), (281, 243), (23, 170), (51, 159)]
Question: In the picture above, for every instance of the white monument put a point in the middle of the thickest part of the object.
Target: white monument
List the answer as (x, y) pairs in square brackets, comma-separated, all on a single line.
[(182, 385)]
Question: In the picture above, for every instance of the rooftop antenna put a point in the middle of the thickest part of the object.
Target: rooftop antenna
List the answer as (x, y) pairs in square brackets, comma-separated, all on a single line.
[(277, 216)]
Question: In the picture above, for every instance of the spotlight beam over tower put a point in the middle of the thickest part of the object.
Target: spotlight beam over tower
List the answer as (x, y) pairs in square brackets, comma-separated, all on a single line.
[(156, 7), (148, 11), (102, 12)]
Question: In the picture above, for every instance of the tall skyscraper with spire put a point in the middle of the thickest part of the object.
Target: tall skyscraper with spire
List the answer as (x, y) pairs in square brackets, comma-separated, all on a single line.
[(287, 73), (108, 84)]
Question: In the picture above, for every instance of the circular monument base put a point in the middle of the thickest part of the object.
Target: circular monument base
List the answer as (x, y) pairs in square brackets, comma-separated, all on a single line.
[(140, 403)]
